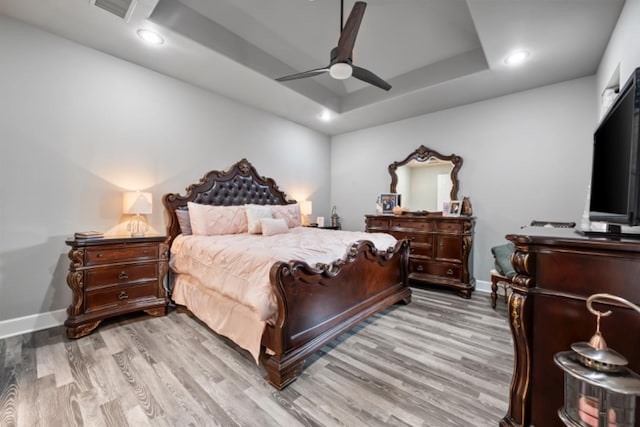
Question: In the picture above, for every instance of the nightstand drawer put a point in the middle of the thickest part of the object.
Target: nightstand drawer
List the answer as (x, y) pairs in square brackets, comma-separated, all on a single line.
[(97, 278), (118, 295), (98, 255), (437, 269)]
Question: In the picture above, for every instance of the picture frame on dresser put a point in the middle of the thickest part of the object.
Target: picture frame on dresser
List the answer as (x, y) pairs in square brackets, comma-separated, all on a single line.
[(389, 201), (451, 208)]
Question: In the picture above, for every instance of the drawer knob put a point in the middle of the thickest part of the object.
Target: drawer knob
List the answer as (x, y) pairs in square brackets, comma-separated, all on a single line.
[(123, 275), (450, 272), (99, 255), (419, 268), (123, 295)]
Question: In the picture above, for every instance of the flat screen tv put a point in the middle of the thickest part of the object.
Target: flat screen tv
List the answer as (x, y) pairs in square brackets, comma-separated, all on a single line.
[(615, 178)]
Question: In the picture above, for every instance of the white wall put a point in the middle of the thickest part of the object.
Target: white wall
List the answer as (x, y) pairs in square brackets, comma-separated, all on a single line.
[(77, 127), (622, 54), (526, 156)]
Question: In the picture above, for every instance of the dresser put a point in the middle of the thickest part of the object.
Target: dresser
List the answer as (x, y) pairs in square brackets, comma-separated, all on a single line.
[(440, 247), (114, 276), (556, 271)]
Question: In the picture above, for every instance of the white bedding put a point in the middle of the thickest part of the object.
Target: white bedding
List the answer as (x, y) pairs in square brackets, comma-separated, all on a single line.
[(237, 266)]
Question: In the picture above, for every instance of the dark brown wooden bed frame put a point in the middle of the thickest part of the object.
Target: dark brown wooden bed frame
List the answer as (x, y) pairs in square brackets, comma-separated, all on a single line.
[(315, 303)]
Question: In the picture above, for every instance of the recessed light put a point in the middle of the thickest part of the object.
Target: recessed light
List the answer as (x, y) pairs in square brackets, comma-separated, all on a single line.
[(150, 36), (325, 116), (517, 57)]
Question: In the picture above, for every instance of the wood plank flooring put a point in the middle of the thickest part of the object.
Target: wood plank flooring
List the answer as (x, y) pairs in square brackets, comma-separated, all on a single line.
[(439, 361)]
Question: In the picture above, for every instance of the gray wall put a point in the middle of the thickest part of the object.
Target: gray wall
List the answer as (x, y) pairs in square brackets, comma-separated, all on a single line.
[(622, 55), (78, 127), (526, 156)]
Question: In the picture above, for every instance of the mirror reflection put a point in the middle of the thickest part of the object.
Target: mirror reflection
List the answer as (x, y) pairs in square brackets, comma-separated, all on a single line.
[(425, 179), (425, 185)]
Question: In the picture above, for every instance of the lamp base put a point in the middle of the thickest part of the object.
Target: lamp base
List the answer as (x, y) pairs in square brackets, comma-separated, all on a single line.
[(138, 226)]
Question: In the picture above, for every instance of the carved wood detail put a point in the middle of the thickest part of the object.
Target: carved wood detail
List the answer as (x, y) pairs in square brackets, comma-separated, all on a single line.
[(99, 279), (422, 154), (556, 271)]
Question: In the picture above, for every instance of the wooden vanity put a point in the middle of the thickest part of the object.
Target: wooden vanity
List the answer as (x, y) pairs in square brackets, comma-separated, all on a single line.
[(440, 248)]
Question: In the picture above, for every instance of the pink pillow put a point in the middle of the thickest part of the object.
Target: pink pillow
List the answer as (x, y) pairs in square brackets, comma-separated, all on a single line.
[(254, 214), (214, 220), (290, 213), (271, 226)]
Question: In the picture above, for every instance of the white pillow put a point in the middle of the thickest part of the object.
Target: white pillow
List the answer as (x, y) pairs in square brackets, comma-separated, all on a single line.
[(254, 214), (214, 220), (290, 213), (271, 226)]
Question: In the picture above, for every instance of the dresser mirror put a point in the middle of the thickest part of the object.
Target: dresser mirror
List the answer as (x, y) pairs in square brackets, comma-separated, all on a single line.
[(425, 179)]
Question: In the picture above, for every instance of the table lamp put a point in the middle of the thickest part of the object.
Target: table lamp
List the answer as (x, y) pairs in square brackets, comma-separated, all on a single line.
[(138, 204), (306, 207)]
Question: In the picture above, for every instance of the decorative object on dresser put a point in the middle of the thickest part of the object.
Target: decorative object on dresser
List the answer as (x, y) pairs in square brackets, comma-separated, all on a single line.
[(137, 204), (313, 303), (440, 246), (556, 271), (110, 276), (389, 202)]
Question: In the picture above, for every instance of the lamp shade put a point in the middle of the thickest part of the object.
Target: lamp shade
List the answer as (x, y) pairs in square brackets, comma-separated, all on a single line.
[(135, 202), (306, 207)]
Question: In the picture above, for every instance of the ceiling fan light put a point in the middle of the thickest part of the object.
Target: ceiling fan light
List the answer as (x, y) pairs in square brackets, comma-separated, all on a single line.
[(340, 71)]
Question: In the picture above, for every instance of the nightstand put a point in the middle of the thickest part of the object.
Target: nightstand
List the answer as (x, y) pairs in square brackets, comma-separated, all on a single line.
[(110, 276)]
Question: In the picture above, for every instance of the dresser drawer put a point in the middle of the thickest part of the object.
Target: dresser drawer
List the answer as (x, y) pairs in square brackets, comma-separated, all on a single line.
[(409, 225), (450, 226), (451, 271), (118, 295), (421, 249), (98, 255), (378, 223), (96, 278)]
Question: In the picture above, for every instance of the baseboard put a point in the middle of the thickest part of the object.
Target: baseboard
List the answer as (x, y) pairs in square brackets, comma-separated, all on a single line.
[(483, 286), (37, 322), (32, 323)]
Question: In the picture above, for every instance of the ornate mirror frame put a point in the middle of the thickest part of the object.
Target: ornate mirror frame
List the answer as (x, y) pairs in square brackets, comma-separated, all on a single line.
[(422, 154)]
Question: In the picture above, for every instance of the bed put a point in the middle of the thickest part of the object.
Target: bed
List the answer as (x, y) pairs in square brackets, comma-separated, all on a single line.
[(313, 303)]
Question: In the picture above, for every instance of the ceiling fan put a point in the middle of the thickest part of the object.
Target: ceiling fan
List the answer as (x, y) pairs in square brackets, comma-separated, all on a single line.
[(340, 65)]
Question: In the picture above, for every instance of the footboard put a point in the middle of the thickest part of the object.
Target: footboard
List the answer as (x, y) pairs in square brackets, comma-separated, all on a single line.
[(317, 304)]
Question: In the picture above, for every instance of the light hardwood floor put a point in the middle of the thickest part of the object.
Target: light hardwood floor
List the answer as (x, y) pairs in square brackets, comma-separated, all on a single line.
[(439, 361)]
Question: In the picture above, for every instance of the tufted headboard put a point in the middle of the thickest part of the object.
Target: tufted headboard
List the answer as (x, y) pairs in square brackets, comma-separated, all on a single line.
[(240, 185)]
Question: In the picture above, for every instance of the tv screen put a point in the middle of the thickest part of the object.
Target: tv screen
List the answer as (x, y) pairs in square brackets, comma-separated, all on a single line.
[(615, 182)]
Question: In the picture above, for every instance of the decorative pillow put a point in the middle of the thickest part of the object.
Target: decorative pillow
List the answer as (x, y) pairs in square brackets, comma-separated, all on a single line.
[(214, 220), (502, 254), (184, 221), (290, 213), (254, 213), (271, 226)]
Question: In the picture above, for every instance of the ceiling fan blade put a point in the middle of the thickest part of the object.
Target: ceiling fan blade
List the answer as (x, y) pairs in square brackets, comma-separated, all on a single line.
[(349, 32), (304, 74), (368, 77)]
